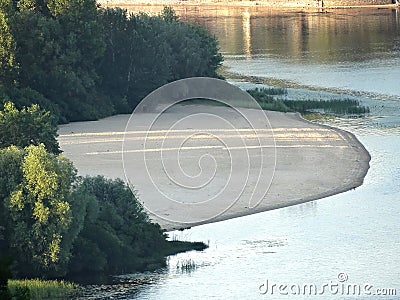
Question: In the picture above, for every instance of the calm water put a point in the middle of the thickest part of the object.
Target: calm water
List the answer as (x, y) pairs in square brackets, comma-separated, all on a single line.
[(348, 53)]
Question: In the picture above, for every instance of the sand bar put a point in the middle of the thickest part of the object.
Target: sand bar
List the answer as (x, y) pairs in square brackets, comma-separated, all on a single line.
[(204, 171)]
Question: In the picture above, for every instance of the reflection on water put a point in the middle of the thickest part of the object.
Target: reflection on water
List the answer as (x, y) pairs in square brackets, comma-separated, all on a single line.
[(339, 36), (347, 50), (246, 24), (346, 35)]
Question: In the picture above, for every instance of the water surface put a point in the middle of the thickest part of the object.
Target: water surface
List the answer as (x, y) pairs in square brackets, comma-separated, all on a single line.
[(318, 55)]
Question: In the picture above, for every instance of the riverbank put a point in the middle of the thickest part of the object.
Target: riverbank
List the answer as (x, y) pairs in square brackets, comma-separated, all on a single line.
[(311, 162), (42, 289), (270, 4)]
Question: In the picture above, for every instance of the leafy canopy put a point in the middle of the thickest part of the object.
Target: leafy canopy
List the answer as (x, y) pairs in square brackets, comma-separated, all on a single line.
[(28, 126), (38, 212)]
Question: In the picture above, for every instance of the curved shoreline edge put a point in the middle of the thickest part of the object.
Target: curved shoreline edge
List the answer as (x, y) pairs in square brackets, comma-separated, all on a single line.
[(356, 180), (296, 181)]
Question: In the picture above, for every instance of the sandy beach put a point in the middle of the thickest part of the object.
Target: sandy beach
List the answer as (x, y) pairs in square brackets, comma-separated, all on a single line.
[(288, 162)]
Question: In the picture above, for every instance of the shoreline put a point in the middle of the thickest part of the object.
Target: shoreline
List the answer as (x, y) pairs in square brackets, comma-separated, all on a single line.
[(333, 165), (357, 180), (241, 4)]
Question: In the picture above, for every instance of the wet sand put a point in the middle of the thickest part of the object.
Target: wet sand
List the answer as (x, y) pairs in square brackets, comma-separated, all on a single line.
[(303, 161)]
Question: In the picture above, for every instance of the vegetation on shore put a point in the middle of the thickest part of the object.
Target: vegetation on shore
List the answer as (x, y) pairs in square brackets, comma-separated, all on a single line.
[(266, 100), (83, 62), (41, 289), (55, 224), (79, 62)]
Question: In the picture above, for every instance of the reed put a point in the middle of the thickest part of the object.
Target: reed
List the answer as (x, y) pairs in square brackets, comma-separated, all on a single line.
[(333, 106), (41, 289), (186, 265)]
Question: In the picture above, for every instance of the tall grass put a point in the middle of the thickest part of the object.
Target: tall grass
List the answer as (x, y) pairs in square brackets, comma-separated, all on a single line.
[(257, 92), (186, 265), (264, 97), (333, 106), (266, 100), (41, 289)]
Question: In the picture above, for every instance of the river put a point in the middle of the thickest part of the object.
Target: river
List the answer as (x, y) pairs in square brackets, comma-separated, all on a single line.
[(351, 239)]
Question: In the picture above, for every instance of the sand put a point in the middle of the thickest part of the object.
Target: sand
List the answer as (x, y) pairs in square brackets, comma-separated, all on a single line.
[(211, 169)]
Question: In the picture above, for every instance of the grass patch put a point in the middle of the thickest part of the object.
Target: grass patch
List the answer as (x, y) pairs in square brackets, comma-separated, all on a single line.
[(41, 289), (264, 97), (262, 92), (266, 100), (334, 106), (184, 246)]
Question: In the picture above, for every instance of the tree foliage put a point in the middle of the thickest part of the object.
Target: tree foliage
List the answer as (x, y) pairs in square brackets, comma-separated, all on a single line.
[(37, 207), (117, 236), (91, 62), (7, 48), (28, 126), (54, 223)]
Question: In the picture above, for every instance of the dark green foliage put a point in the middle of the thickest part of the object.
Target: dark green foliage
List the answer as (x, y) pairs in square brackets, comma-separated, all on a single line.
[(54, 223), (5, 275), (22, 293), (143, 53), (264, 92), (24, 97), (335, 106), (82, 63), (37, 212), (265, 99), (7, 45), (183, 246), (57, 56), (168, 14), (261, 95), (117, 236), (28, 126)]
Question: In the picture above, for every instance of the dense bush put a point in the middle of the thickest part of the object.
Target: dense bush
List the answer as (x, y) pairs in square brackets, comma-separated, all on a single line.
[(117, 236), (57, 223), (82, 62), (54, 223), (28, 126), (35, 193)]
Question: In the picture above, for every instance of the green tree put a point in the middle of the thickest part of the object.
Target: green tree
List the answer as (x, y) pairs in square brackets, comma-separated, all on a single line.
[(145, 52), (38, 208), (7, 46), (117, 236), (83, 63), (168, 14), (28, 126), (58, 53)]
